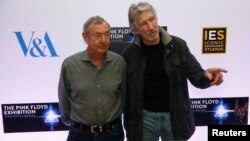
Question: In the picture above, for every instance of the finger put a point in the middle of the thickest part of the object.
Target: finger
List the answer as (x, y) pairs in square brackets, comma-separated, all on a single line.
[(218, 79), (222, 70), (209, 75), (216, 70)]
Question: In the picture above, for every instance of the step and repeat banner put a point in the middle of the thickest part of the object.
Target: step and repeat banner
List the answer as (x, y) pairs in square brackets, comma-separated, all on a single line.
[(36, 36)]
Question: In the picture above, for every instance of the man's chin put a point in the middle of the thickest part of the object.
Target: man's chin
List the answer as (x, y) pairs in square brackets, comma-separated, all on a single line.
[(154, 38), (102, 50)]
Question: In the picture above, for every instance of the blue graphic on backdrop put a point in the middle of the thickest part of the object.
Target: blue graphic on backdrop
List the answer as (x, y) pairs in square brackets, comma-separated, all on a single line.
[(218, 111), (51, 117), (32, 117), (121, 37), (35, 46)]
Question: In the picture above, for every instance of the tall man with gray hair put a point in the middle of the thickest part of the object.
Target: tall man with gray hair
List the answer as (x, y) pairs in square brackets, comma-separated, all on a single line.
[(158, 68)]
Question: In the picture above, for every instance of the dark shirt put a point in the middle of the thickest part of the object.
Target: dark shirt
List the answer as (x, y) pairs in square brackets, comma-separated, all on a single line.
[(156, 91)]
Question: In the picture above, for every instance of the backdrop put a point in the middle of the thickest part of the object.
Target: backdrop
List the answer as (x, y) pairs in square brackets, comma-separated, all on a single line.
[(36, 36)]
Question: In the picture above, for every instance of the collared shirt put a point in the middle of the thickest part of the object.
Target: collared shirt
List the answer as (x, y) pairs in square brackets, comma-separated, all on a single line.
[(90, 95)]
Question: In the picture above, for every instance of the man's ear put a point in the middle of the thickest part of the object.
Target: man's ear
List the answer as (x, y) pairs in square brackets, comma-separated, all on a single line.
[(84, 36)]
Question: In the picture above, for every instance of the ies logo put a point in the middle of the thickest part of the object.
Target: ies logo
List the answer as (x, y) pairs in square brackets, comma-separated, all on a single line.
[(214, 40), (37, 47)]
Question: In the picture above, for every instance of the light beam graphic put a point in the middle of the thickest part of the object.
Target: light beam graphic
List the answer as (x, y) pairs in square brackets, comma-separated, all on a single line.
[(51, 117), (221, 112)]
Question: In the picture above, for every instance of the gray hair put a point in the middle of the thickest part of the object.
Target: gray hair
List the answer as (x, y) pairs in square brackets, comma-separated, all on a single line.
[(135, 10), (93, 20)]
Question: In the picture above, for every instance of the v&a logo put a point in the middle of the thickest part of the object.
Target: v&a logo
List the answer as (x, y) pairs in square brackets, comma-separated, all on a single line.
[(35, 46)]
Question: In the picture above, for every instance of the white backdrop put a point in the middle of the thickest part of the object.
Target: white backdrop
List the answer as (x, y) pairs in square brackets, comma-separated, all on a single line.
[(28, 79)]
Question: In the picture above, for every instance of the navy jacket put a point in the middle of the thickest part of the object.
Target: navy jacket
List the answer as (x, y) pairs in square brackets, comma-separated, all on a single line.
[(180, 66)]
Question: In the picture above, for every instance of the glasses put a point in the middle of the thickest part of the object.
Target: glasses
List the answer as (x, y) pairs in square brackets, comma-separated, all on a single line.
[(98, 36)]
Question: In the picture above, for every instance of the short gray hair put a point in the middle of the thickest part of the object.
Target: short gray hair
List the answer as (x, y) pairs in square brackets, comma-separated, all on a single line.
[(135, 10), (95, 20)]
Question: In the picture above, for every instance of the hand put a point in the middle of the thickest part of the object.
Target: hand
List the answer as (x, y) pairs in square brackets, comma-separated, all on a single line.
[(215, 75)]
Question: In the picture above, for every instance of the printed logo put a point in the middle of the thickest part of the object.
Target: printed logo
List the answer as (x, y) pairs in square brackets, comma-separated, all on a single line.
[(214, 40), (37, 47), (121, 37), (213, 111), (32, 117)]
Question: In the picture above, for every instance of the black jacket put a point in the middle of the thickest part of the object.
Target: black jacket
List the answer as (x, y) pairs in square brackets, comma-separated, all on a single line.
[(180, 65)]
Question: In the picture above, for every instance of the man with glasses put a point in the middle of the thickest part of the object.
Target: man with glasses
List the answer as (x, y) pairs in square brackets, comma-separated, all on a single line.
[(91, 87)]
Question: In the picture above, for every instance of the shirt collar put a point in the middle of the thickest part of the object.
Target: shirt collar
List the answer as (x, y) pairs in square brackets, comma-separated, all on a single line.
[(85, 56)]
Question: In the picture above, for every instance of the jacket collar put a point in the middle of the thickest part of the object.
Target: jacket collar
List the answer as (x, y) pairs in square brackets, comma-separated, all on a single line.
[(164, 35)]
